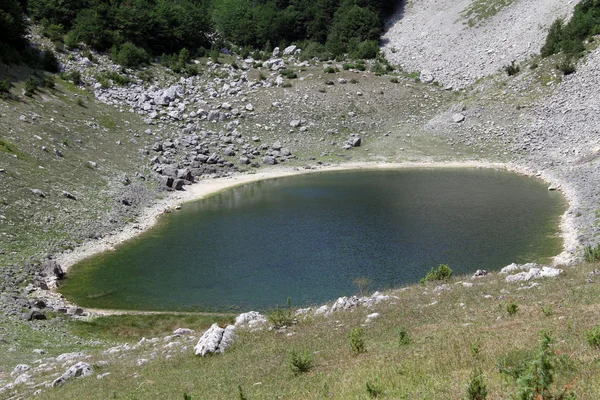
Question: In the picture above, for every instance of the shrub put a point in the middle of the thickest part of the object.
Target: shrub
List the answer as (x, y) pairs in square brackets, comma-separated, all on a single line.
[(592, 254), (566, 66), (592, 337), (5, 85), (357, 340), (300, 361), (75, 77), (54, 32), (403, 337), (115, 77), (477, 389), (536, 380), (130, 56), (512, 69), (281, 317), (50, 62), (547, 310), (368, 49), (71, 40), (347, 66), (443, 273), (512, 308), (373, 390), (30, 86), (395, 80), (288, 73), (331, 70)]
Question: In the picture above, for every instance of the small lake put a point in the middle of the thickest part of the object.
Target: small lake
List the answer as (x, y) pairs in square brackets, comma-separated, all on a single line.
[(309, 237)]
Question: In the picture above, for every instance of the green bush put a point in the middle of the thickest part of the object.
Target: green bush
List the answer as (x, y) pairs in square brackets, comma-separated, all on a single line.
[(74, 76), (54, 32), (403, 337), (281, 317), (50, 62), (331, 70), (368, 49), (300, 361), (288, 73), (357, 340), (71, 40), (512, 69), (130, 56), (373, 390), (512, 308), (591, 253), (118, 79), (5, 85), (30, 86), (547, 310), (566, 66), (592, 337), (477, 388), (535, 382), (443, 273)]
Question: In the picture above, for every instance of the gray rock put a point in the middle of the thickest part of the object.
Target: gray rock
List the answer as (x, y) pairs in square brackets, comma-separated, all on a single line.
[(244, 161), (295, 123), (251, 319), (426, 76), (289, 50), (92, 164), (183, 331), (214, 116), (276, 145), (78, 370), (229, 152), (269, 160), (19, 369), (355, 141), (38, 193), (157, 147), (178, 184), (459, 117), (215, 340), (285, 152), (69, 195)]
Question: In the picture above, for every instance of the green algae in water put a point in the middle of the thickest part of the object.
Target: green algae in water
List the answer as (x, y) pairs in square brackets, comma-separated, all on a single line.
[(308, 237)]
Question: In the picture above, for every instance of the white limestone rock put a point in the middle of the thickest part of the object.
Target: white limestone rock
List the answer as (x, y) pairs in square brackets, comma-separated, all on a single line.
[(215, 340), (78, 370)]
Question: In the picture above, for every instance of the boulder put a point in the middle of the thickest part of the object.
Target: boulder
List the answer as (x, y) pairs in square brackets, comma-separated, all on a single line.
[(19, 369), (78, 370), (183, 331), (276, 145), (534, 273), (459, 117), (244, 161), (426, 76), (355, 141), (250, 319), (289, 50), (38, 193), (269, 160), (178, 184), (215, 340)]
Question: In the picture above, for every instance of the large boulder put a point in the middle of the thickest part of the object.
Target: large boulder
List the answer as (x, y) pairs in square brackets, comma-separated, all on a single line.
[(48, 275), (215, 340), (78, 370), (168, 95)]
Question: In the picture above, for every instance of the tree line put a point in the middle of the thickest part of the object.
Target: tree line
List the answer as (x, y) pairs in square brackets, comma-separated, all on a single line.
[(156, 27)]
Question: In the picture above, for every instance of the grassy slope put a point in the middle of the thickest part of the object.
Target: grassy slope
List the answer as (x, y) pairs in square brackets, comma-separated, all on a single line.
[(69, 120), (436, 364)]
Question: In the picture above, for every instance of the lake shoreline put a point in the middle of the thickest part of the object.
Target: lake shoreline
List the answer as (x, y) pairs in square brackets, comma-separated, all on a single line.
[(204, 188)]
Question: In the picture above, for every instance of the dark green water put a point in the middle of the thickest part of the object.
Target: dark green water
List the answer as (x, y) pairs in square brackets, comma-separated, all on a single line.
[(308, 237)]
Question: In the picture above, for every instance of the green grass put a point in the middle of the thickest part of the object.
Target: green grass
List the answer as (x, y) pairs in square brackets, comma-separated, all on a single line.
[(435, 363), (481, 10), (133, 327), (8, 147)]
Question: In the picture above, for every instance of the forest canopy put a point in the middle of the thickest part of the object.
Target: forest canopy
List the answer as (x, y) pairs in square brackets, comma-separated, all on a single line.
[(158, 27)]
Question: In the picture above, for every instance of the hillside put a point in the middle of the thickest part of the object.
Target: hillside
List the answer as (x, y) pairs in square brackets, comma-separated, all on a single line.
[(94, 158), (462, 41)]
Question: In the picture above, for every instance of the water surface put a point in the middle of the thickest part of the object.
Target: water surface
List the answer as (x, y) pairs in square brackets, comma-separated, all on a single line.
[(308, 237)]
